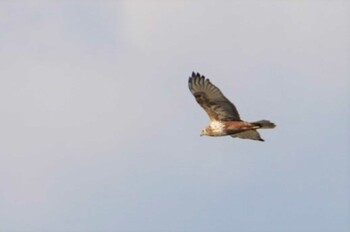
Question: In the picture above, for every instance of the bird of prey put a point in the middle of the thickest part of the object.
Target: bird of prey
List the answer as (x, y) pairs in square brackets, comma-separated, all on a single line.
[(223, 115)]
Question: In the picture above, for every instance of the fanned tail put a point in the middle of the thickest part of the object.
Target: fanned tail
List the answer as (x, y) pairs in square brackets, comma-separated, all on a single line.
[(264, 124)]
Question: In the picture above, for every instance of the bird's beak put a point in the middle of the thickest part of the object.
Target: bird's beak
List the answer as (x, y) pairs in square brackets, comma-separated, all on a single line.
[(201, 134)]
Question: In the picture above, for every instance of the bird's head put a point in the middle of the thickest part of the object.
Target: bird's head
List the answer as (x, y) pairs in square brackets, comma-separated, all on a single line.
[(204, 131)]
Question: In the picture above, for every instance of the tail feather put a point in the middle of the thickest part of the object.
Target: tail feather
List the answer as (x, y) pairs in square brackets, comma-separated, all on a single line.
[(264, 124)]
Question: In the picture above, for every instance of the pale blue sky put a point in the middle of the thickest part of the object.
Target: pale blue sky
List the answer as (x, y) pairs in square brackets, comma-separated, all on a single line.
[(99, 131)]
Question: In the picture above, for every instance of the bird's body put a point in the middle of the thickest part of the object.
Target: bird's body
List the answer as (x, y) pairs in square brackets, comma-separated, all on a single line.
[(225, 119), (217, 128)]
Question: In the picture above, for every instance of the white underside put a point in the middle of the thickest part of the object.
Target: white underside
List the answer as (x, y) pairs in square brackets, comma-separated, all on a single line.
[(216, 126)]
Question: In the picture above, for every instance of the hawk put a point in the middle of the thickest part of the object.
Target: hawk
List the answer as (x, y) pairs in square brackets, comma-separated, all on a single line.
[(224, 117)]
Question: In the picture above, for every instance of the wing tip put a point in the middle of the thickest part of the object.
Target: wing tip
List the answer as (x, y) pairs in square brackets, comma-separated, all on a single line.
[(198, 76), (196, 79)]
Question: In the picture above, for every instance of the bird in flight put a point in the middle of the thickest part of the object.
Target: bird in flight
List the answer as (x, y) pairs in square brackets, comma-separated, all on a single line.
[(224, 117)]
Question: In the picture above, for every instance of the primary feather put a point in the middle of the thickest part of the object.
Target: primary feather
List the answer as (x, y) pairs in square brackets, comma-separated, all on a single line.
[(208, 96)]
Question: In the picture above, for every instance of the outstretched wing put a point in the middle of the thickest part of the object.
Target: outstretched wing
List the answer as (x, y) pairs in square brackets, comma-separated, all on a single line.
[(217, 106)]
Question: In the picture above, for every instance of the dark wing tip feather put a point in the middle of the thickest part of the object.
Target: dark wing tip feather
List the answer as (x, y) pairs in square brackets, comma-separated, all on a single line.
[(195, 79), (197, 74)]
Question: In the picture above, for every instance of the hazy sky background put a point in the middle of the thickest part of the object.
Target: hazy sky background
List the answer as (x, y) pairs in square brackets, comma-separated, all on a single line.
[(99, 131)]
